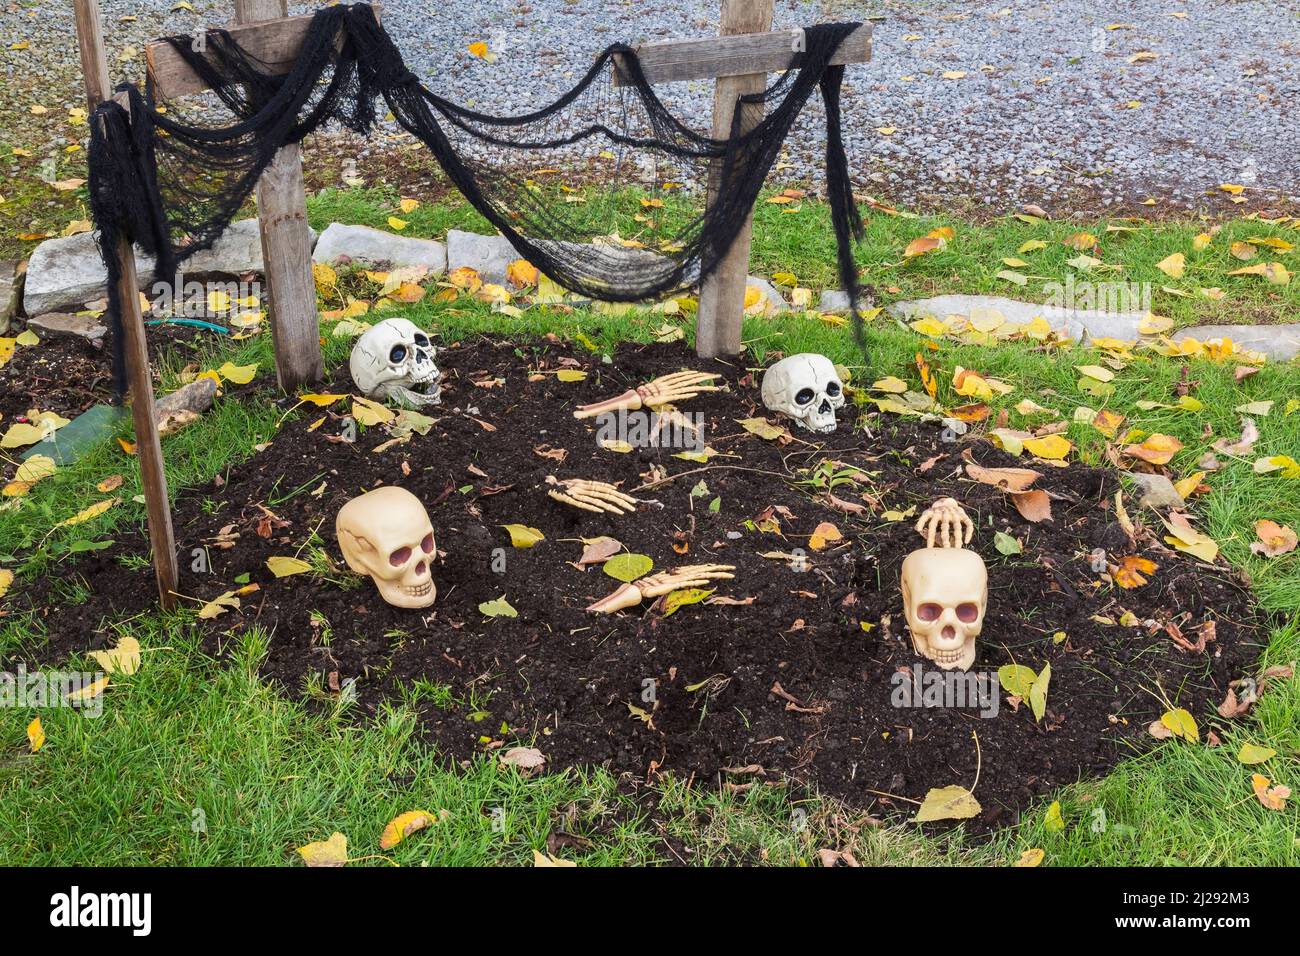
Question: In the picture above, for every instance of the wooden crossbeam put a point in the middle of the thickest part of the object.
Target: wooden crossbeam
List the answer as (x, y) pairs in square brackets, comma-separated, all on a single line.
[(275, 43), (672, 61)]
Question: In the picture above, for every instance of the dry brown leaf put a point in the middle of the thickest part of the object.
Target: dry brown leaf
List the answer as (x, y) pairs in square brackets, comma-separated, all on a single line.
[(1034, 505), (1275, 540), (1008, 479)]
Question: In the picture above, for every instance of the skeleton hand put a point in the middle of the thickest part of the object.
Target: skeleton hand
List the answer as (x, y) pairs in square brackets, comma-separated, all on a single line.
[(599, 496), (947, 522), (676, 387), (656, 585)]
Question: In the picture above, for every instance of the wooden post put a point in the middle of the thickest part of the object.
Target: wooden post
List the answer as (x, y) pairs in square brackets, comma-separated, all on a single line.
[(722, 298), (94, 67), (286, 246)]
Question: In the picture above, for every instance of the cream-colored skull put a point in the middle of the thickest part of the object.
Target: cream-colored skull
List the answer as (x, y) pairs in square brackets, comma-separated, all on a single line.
[(394, 362), (945, 595), (386, 534), (807, 388)]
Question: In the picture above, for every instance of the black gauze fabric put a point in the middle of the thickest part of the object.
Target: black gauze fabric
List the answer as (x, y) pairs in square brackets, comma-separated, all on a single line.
[(172, 187)]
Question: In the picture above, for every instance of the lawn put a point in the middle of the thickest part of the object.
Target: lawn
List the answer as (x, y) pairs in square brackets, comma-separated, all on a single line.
[(197, 761)]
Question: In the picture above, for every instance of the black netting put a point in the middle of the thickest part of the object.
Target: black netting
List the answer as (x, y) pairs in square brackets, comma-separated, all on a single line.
[(172, 186)]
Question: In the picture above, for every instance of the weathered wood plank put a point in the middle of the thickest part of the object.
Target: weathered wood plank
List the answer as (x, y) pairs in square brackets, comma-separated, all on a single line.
[(722, 297), (275, 42), (671, 61), (94, 67), (286, 247)]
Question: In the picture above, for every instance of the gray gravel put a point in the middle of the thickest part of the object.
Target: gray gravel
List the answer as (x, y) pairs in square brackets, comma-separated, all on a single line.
[(1042, 114)]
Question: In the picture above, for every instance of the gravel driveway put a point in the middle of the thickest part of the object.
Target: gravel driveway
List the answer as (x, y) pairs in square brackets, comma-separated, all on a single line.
[(1069, 105)]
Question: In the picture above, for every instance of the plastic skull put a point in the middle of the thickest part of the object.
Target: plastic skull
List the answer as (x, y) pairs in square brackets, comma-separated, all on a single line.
[(945, 595), (386, 534), (394, 362), (805, 387)]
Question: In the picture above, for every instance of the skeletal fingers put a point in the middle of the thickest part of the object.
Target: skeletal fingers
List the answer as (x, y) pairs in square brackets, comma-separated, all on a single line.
[(676, 387), (597, 496), (945, 524), (656, 585)]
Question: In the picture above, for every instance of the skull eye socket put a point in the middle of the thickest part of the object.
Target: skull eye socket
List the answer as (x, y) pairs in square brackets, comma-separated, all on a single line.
[(966, 613), (398, 354), (804, 396), (427, 544), (421, 340), (833, 389), (399, 557), (929, 612)]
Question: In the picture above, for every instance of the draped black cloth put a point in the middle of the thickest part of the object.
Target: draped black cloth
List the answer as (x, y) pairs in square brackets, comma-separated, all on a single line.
[(171, 186)]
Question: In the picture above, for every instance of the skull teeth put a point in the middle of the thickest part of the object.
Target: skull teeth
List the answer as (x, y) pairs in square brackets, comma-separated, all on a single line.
[(418, 590)]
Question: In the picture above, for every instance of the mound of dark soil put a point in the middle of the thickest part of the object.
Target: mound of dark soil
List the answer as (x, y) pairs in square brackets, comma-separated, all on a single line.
[(792, 680), (68, 375)]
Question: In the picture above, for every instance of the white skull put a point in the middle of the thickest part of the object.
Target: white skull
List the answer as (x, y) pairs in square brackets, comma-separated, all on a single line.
[(945, 595), (394, 362), (386, 534), (805, 387)]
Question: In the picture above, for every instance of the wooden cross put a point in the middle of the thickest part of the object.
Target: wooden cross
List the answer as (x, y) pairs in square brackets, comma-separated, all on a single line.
[(94, 67), (739, 60), (261, 27)]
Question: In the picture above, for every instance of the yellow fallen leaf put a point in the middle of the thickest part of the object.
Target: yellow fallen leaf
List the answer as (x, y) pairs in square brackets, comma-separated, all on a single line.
[(1157, 449), (88, 691), (369, 412), (1181, 724), (1187, 486), (1173, 266), (1153, 324), (239, 374), (947, 803), (403, 825), (21, 434), (522, 274), (331, 852), (282, 566), (546, 860), (825, 533), (397, 224), (321, 400), (87, 514), (409, 206), (6, 581), (1050, 447), (35, 735), (522, 536), (122, 659)]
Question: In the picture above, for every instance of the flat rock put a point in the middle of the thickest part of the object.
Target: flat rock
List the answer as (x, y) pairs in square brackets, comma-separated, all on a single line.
[(376, 248), (489, 256), (833, 300), (1073, 323), (1157, 491), (55, 324), (775, 301), (238, 251), (1278, 342), (67, 272), (11, 293)]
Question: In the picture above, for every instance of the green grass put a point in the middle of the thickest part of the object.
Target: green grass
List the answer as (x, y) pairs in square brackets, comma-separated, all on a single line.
[(798, 239), (268, 772)]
